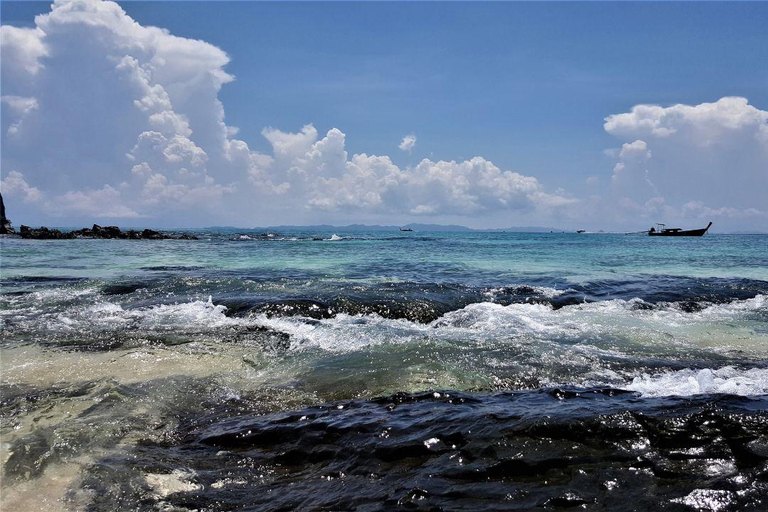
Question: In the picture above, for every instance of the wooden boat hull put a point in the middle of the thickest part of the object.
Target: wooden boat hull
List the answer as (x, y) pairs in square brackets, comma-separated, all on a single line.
[(689, 232)]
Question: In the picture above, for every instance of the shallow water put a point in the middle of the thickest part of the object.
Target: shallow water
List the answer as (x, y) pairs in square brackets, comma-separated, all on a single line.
[(371, 370)]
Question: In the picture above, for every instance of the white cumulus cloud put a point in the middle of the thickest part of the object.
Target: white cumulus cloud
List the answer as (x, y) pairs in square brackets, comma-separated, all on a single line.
[(106, 202), (90, 98), (321, 170), (408, 143), (15, 183), (712, 157)]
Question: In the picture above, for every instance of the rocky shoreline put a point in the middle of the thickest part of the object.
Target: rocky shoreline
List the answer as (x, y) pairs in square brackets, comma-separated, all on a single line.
[(96, 231), (105, 232)]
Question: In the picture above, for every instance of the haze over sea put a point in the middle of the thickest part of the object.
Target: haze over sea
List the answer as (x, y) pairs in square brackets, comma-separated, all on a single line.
[(369, 370)]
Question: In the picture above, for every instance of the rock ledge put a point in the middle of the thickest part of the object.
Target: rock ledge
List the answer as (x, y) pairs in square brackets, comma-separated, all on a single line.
[(106, 232)]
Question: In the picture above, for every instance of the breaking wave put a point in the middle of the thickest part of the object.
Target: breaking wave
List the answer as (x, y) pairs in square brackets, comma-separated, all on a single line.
[(727, 380), (624, 344)]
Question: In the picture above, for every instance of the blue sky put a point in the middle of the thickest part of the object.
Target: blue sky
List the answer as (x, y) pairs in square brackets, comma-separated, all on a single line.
[(526, 86)]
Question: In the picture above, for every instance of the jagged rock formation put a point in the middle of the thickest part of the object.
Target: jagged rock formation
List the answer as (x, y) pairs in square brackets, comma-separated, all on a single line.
[(44, 233), (5, 223)]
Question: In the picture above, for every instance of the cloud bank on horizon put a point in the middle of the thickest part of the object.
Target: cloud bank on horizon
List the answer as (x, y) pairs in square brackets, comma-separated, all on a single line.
[(105, 119)]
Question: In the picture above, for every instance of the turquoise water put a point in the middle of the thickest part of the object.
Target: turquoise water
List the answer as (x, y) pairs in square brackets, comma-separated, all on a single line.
[(126, 350), (414, 256)]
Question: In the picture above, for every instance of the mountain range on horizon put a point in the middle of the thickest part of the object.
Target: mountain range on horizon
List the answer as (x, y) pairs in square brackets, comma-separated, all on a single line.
[(443, 228), (434, 228)]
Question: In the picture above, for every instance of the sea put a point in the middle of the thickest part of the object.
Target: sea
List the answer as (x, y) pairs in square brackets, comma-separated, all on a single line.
[(374, 370)]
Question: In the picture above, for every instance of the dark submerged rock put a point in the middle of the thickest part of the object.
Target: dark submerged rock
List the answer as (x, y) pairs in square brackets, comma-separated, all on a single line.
[(42, 233), (152, 235), (106, 232), (599, 450)]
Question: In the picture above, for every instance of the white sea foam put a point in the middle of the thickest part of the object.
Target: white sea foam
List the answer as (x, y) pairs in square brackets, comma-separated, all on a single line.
[(689, 382), (601, 343), (617, 318), (177, 481), (335, 238), (606, 325), (581, 336), (62, 294), (343, 333), (543, 291), (598, 328), (199, 315)]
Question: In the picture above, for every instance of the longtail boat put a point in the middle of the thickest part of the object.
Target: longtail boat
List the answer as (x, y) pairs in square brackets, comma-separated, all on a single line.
[(665, 231)]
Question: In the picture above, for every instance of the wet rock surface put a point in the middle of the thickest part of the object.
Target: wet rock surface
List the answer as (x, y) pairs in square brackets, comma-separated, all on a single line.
[(544, 450)]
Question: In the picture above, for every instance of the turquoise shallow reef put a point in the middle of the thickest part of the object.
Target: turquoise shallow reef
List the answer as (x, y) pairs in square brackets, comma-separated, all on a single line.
[(368, 370)]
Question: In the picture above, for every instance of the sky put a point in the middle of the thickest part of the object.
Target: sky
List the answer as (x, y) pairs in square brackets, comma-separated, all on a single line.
[(574, 115)]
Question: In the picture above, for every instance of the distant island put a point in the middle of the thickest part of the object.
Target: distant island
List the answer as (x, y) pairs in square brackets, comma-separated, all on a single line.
[(441, 228), (432, 228)]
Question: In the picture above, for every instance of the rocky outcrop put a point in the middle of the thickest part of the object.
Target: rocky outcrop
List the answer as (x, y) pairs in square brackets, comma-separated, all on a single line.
[(5, 223), (106, 232), (96, 231)]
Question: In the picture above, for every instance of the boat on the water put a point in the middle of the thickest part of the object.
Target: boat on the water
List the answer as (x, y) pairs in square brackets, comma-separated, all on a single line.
[(665, 231), (406, 229)]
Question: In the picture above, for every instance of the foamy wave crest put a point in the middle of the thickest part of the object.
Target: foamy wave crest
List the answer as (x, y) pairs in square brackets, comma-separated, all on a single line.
[(540, 291), (597, 318), (758, 303), (344, 333), (498, 319), (620, 327), (727, 380), (201, 315), (476, 324)]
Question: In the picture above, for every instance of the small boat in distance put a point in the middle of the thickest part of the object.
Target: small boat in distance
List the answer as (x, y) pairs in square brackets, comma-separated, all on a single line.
[(664, 231), (580, 231), (406, 229)]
